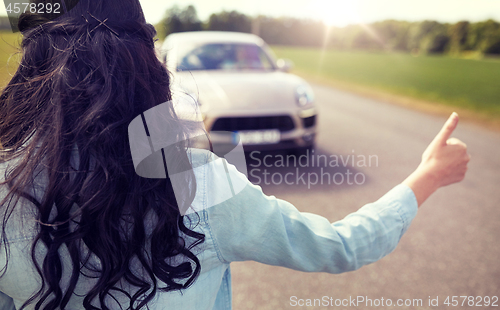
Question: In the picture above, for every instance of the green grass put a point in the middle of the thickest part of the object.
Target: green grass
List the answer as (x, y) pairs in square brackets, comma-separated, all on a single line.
[(464, 83), (9, 43)]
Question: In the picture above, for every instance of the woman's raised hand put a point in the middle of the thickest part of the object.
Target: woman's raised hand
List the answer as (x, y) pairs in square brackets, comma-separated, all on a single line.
[(443, 162)]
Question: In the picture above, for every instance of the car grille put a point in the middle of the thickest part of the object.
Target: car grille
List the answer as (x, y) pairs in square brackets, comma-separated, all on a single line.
[(283, 123), (309, 121)]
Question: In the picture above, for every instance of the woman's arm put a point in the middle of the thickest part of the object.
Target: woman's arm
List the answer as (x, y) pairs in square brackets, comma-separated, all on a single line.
[(254, 226)]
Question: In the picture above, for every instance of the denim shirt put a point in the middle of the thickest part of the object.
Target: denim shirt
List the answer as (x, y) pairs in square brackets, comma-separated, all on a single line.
[(248, 225)]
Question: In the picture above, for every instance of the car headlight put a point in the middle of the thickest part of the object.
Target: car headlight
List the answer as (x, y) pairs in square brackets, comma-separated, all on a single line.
[(304, 95)]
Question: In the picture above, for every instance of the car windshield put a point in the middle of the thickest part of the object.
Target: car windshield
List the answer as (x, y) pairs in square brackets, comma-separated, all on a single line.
[(224, 56)]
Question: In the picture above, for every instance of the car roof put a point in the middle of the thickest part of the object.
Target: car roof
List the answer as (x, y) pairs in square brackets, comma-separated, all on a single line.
[(215, 37)]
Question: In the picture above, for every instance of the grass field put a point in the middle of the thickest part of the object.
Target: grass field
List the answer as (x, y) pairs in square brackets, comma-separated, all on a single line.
[(464, 83), (9, 43)]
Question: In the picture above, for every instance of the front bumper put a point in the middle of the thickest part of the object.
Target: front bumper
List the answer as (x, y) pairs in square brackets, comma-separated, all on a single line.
[(297, 132)]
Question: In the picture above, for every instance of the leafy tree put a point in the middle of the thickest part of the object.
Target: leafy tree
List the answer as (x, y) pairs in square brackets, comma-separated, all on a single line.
[(458, 36), (428, 37), (434, 43), (292, 31), (189, 19), (179, 20), (367, 39), (484, 37), (394, 34), (229, 21)]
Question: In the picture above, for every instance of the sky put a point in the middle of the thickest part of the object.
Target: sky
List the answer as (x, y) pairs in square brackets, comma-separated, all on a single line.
[(336, 12)]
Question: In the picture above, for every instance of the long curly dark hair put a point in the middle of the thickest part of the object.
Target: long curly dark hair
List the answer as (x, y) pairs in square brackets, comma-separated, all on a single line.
[(79, 85)]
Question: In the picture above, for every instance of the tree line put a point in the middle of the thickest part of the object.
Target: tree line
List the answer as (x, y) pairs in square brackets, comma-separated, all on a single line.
[(426, 37)]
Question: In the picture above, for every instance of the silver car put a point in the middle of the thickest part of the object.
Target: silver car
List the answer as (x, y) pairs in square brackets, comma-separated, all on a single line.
[(240, 87)]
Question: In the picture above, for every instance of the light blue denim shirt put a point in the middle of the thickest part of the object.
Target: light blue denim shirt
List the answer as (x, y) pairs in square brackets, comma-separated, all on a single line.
[(245, 226)]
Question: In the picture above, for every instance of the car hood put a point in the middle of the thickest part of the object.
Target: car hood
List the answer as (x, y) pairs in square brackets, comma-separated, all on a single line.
[(240, 91)]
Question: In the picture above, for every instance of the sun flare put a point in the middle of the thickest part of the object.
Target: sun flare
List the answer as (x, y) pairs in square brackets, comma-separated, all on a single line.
[(338, 13)]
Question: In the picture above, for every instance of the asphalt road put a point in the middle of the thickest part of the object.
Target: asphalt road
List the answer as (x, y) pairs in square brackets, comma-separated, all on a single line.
[(452, 247)]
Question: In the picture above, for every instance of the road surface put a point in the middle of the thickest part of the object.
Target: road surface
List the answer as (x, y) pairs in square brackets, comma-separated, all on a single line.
[(452, 247)]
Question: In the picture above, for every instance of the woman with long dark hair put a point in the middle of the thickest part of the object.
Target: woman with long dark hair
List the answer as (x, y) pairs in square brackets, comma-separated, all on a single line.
[(64, 121), (81, 230)]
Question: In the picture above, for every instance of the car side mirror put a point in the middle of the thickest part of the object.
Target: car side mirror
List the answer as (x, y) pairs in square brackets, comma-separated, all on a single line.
[(284, 65)]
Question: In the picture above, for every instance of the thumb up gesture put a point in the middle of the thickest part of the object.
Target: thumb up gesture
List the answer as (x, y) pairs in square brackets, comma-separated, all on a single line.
[(443, 162)]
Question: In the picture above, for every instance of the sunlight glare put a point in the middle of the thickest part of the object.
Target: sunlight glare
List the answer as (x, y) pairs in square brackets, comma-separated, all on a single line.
[(338, 13)]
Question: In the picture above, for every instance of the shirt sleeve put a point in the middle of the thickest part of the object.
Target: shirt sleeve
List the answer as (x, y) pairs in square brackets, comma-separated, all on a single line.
[(6, 303), (253, 226)]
